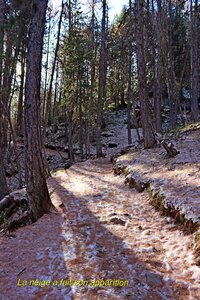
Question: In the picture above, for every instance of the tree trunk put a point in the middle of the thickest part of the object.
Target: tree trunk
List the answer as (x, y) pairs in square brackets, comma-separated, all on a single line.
[(46, 68), (56, 94), (21, 96), (194, 60), (129, 82), (70, 135), (48, 106), (170, 71), (37, 191), (92, 80), (79, 97), (101, 87), (158, 74), (3, 183), (141, 71)]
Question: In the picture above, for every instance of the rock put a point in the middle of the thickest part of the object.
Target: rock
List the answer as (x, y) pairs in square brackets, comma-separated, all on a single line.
[(117, 221), (50, 158), (106, 134), (119, 168), (128, 216), (112, 145), (153, 279), (14, 210), (147, 250), (128, 148), (113, 158), (134, 182), (130, 181), (140, 186), (67, 165)]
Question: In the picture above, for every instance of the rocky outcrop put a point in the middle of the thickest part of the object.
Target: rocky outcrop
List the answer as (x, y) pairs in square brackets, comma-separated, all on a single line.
[(14, 211)]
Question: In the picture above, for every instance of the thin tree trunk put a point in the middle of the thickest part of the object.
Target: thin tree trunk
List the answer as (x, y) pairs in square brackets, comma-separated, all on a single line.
[(9, 73), (46, 67), (37, 191), (141, 70), (158, 74), (194, 60), (55, 93), (49, 95), (92, 82), (170, 67), (13, 137), (3, 183), (129, 82), (80, 121), (70, 135), (21, 97), (101, 84)]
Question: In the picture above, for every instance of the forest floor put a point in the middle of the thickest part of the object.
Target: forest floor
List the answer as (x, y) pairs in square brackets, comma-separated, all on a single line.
[(102, 229)]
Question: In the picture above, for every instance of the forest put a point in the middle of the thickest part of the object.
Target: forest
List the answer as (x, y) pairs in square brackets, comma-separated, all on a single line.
[(83, 99)]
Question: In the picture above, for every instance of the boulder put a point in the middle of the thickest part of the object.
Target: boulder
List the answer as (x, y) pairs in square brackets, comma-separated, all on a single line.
[(112, 145)]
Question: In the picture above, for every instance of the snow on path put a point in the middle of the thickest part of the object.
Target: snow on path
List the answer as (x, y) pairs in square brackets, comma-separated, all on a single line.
[(82, 241)]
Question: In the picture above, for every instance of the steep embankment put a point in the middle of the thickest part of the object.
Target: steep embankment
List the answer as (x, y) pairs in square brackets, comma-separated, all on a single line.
[(173, 184)]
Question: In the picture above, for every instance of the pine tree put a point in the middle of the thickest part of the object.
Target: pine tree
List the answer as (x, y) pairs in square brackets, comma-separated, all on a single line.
[(37, 190)]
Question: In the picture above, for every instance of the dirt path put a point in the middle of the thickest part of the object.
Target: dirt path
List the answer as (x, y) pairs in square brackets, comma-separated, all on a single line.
[(82, 241)]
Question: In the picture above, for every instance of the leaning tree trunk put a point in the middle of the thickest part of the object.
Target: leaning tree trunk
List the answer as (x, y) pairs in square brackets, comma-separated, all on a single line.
[(141, 71), (38, 195), (3, 184)]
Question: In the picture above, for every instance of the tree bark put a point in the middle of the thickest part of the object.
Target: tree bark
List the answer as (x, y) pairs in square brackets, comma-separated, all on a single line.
[(92, 79), (170, 71), (141, 71), (194, 60), (101, 87), (3, 183), (37, 191), (46, 67), (49, 95), (129, 82), (158, 67)]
